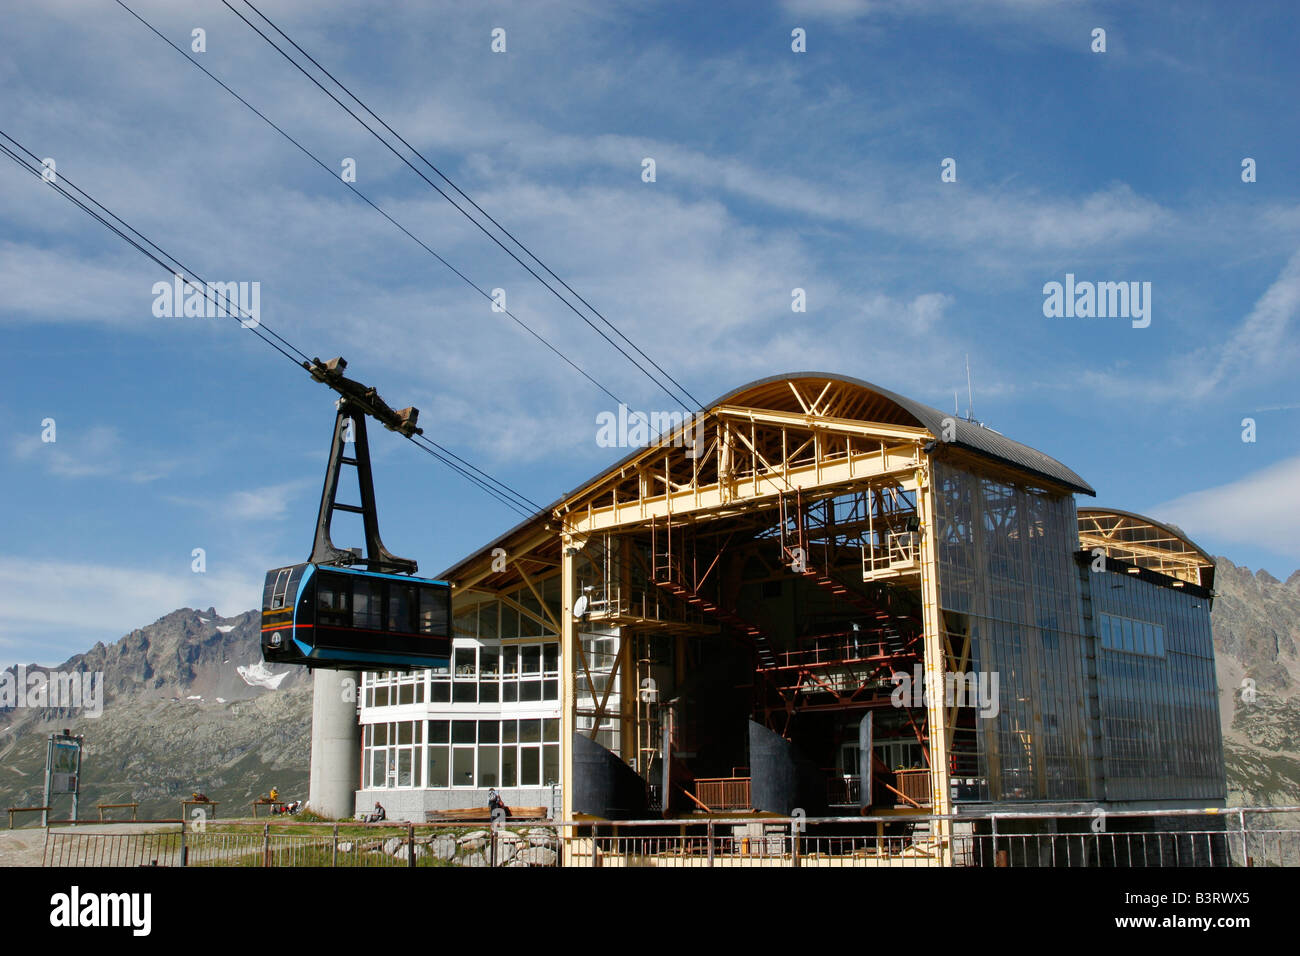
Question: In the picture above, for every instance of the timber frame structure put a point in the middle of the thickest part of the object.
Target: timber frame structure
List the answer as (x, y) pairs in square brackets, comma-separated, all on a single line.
[(779, 559), (1145, 543)]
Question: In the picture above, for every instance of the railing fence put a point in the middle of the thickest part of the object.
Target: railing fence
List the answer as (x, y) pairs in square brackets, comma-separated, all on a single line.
[(1233, 837)]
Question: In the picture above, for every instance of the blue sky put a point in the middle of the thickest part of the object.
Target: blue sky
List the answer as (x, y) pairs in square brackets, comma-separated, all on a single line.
[(774, 170)]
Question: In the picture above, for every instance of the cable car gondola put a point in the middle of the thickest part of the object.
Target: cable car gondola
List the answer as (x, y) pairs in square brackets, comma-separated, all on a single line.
[(328, 613), (347, 619)]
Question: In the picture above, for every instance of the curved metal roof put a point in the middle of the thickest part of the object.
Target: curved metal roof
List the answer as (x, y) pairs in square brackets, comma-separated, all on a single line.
[(907, 411), (872, 403)]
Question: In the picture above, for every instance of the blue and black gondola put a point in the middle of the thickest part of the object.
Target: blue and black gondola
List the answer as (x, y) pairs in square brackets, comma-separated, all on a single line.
[(343, 618)]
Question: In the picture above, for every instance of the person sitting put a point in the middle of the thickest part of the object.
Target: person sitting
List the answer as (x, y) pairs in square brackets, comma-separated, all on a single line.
[(275, 794), (197, 797), (495, 802), (378, 815)]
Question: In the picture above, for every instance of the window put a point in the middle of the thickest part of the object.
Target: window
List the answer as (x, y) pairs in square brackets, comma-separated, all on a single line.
[(367, 604), (1135, 637), (434, 605), (462, 753), (465, 673), (462, 767), (393, 754), (489, 686), (393, 689), (333, 601), (489, 752), (400, 599), (526, 672), (466, 662), (439, 758)]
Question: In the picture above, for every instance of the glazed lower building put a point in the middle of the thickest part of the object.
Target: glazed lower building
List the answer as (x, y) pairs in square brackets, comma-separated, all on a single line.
[(438, 740), (821, 595)]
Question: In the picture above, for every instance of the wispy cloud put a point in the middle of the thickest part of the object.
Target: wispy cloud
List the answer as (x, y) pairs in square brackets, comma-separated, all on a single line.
[(1264, 345), (967, 10), (266, 503), (1261, 509), (95, 452), (1262, 341)]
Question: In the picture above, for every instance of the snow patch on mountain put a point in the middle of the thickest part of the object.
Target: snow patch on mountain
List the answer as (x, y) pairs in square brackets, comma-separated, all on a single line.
[(259, 675)]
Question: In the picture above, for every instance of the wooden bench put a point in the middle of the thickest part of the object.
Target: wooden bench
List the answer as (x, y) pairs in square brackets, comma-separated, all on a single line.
[(13, 810), (101, 807), (267, 802), (198, 803), (483, 815)]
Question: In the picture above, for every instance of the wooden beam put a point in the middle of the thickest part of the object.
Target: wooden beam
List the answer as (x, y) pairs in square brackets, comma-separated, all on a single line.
[(897, 461), (839, 426)]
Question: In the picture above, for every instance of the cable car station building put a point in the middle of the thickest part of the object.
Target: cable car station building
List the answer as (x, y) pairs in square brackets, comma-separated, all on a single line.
[(819, 595)]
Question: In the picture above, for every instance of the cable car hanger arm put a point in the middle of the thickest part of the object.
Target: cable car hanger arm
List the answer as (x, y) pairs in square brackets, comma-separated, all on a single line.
[(364, 397), (356, 398)]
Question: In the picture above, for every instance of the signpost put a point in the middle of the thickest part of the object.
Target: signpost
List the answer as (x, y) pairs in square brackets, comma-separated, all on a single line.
[(62, 771)]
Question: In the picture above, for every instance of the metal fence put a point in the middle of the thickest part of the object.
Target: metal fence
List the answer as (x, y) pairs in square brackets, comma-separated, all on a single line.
[(1179, 838), (177, 843), (1264, 836)]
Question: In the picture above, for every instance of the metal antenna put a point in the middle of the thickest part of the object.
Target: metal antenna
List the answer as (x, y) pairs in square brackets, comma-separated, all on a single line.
[(970, 393)]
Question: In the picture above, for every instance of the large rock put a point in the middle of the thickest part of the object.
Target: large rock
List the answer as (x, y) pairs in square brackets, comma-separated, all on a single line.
[(395, 846), (443, 847), (537, 856), (538, 837), (507, 852), (473, 859)]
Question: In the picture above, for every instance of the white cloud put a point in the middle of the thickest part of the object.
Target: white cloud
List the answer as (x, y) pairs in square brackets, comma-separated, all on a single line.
[(1261, 339), (971, 216), (1260, 510), (1262, 346), (50, 610), (63, 285), (266, 503), (95, 452), (968, 9)]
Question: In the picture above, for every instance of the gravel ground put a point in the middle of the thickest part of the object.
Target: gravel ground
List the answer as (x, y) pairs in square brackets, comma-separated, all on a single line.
[(26, 847)]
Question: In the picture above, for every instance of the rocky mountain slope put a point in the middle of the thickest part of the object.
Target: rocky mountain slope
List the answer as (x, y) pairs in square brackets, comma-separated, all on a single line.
[(1256, 636), (187, 705)]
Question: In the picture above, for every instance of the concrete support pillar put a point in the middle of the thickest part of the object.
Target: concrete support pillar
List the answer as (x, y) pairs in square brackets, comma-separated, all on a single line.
[(335, 743)]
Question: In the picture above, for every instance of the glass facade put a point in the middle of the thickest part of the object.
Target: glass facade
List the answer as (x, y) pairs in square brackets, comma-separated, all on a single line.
[(491, 718), (1007, 580), (1156, 689), (601, 647), (472, 753), (1106, 679)]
